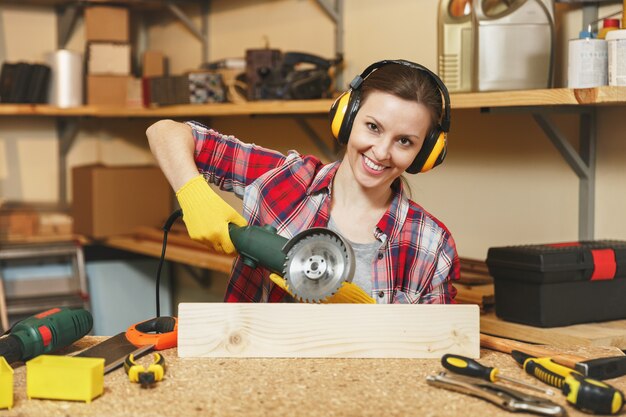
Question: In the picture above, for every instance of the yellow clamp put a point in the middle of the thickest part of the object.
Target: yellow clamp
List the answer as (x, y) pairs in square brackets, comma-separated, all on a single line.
[(146, 377)]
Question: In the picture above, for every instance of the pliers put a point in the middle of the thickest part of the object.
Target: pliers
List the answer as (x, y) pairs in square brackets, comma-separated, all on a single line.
[(147, 378), (502, 396)]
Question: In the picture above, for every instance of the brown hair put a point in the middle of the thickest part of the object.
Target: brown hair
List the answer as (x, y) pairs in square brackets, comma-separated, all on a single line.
[(407, 83)]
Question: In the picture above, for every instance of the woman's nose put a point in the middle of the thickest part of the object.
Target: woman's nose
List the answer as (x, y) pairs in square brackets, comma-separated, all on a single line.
[(381, 150)]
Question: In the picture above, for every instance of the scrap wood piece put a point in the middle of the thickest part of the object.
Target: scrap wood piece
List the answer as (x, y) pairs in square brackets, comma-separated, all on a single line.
[(327, 330), (474, 272), (189, 256), (609, 333), (174, 237), (483, 295)]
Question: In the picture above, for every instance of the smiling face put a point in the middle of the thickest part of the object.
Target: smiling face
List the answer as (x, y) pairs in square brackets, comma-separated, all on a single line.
[(386, 136)]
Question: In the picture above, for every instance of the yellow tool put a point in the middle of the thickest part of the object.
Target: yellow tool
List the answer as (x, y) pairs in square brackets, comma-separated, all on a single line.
[(584, 393), (146, 377), (469, 367)]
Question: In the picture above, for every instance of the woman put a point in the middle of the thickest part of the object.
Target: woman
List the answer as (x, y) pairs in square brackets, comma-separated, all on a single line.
[(389, 122)]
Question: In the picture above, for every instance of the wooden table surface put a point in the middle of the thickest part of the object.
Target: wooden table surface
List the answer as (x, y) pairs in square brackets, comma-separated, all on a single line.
[(284, 387)]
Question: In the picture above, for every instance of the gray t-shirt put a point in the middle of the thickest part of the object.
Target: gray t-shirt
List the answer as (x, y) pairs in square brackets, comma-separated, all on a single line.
[(364, 257)]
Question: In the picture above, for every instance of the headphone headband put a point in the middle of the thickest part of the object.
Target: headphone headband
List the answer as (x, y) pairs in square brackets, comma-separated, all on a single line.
[(445, 118)]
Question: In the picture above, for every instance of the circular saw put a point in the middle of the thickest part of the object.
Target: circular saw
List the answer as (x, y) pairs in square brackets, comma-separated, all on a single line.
[(315, 263)]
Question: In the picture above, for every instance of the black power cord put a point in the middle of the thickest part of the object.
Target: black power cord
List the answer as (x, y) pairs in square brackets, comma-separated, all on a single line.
[(166, 228)]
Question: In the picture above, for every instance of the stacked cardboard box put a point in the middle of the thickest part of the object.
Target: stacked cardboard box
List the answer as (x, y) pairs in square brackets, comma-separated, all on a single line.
[(114, 200), (108, 56)]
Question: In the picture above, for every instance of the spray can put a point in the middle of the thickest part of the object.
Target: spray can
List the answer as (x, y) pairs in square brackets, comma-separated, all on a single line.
[(616, 40), (587, 60)]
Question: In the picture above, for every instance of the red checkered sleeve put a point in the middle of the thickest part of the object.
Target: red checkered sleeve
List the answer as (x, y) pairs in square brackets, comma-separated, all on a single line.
[(229, 163)]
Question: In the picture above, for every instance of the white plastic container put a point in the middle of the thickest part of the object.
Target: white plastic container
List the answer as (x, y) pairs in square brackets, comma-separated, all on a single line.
[(616, 40), (587, 63), (66, 83), (454, 44)]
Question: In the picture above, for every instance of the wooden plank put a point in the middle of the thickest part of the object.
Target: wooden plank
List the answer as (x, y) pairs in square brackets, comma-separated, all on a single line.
[(474, 272), (193, 257), (546, 97), (327, 330), (610, 333)]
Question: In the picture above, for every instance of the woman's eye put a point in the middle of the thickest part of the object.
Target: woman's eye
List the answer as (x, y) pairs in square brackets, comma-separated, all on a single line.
[(372, 126), (405, 141)]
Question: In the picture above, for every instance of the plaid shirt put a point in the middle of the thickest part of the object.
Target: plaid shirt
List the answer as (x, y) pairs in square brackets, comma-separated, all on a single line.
[(416, 263)]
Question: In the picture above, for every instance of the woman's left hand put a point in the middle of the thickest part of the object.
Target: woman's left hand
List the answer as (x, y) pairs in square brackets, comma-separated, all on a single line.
[(347, 293)]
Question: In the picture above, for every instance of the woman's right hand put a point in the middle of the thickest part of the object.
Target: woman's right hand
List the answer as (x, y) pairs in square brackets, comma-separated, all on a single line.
[(207, 215)]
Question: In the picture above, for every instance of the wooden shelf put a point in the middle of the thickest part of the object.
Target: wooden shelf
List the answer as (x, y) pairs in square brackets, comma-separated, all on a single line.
[(547, 97), (292, 107), (144, 4)]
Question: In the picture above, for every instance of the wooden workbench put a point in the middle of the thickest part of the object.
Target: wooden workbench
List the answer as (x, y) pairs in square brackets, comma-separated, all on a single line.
[(283, 387)]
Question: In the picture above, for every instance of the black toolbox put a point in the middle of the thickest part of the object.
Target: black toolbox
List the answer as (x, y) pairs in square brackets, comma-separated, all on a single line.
[(560, 284)]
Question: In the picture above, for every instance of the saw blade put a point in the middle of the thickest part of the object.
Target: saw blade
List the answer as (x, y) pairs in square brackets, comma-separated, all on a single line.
[(317, 265)]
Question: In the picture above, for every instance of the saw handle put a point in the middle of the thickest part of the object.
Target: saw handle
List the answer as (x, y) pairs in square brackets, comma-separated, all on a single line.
[(259, 246)]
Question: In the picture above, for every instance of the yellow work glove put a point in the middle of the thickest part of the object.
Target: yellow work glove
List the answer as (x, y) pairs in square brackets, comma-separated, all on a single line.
[(347, 293), (207, 216)]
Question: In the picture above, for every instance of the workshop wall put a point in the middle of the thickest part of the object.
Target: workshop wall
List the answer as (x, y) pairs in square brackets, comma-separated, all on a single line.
[(502, 183)]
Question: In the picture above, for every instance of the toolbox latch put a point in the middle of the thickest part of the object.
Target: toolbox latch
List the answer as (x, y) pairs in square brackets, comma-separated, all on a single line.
[(604, 265)]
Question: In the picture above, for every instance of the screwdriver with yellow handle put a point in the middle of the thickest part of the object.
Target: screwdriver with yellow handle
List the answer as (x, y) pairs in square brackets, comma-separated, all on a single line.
[(583, 393), (469, 367)]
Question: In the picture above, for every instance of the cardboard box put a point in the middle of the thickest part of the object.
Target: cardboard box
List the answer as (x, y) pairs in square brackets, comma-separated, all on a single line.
[(114, 200), (108, 90), (105, 23), (108, 58), (153, 64), (18, 223)]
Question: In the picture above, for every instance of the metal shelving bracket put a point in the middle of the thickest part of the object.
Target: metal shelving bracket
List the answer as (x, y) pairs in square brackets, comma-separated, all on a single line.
[(67, 130), (582, 161)]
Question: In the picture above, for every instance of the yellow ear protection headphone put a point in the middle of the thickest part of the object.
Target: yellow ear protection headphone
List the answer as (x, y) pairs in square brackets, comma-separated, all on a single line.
[(344, 110)]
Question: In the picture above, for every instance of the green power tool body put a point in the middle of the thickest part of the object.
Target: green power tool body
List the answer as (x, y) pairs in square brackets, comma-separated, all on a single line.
[(44, 333), (315, 263)]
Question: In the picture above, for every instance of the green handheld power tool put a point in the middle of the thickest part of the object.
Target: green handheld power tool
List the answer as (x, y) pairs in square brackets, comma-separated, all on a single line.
[(315, 263), (44, 333)]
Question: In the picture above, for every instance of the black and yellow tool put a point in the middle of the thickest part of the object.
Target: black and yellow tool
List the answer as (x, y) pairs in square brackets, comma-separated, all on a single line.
[(469, 367), (583, 393), (146, 377)]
